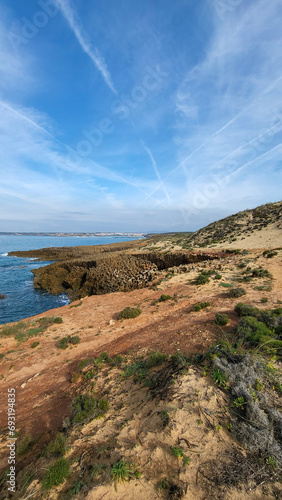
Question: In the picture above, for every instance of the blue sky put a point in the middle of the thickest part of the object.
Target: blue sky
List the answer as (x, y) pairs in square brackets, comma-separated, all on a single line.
[(138, 115)]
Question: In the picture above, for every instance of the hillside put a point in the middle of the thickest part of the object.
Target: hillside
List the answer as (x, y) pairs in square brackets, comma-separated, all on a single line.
[(260, 227), (177, 398)]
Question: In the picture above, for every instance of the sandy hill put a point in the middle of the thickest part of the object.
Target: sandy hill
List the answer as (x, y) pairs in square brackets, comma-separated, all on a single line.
[(178, 397), (260, 227)]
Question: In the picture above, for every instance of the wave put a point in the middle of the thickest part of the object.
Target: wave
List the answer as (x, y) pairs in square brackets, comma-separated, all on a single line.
[(4, 254)]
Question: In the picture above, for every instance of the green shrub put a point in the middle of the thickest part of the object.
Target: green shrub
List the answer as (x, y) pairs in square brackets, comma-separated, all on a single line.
[(252, 330), (201, 279), (155, 359), (219, 377), (57, 447), (221, 319), (218, 276), (65, 341), (52, 320), (56, 474), (24, 445), (236, 292), (246, 310), (164, 297), (178, 453), (129, 312), (123, 471), (269, 253), (261, 273), (85, 407), (201, 305), (34, 344), (264, 300)]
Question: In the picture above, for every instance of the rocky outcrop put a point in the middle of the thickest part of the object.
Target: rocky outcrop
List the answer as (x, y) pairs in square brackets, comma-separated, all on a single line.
[(94, 277)]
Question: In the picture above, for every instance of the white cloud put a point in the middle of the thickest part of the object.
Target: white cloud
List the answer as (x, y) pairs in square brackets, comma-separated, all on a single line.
[(92, 52)]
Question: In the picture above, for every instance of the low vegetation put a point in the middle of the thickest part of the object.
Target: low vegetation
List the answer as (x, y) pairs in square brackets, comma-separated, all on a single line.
[(129, 312), (23, 330)]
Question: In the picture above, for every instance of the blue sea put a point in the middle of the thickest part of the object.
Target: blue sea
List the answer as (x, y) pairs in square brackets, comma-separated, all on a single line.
[(16, 278)]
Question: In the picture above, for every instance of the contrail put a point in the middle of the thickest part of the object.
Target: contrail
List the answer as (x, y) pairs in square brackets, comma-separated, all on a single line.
[(156, 170), (94, 54)]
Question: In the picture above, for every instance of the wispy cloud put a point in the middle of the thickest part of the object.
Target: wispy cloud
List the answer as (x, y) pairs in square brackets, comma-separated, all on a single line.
[(93, 52)]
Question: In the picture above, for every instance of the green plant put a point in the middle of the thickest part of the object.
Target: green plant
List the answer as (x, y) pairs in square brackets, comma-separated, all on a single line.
[(271, 461), (57, 447), (252, 330), (77, 487), (201, 279), (240, 403), (34, 344), (155, 359), (98, 470), (201, 305), (264, 300), (85, 407), (56, 474), (123, 471), (218, 276), (76, 305), (269, 253), (246, 310), (226, 285), (129, 312), (25, 444), (163, 484), (261, 273), (221, 319), (219, 377), (165, 417), (164, 297), (236, 292), (178, 453), (69, 339)]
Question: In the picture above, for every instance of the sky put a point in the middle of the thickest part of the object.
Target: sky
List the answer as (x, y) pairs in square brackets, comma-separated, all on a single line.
[(138, 115)]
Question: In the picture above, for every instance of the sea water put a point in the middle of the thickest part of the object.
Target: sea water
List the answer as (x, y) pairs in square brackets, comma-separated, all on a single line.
[(16, 279)]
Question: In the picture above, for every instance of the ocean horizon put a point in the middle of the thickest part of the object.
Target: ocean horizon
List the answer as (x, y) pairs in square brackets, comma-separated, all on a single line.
[(16, 279)]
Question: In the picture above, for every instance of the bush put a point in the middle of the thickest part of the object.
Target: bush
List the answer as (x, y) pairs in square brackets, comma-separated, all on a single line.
[(221, 319), (201, 305), (264, 300), (246, 310), (164, 297), (56, 474), (34, 344), (65, 341), (261, 273), (57, 447), (218, 276), (86, 407), (24, 445), (201, 279), (123, 471), (155, 359), (269, 253), (129, 312), (252, 330), (236, 292)]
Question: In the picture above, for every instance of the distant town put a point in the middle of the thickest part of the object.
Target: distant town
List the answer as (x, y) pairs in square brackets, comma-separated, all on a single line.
[(129, 234)]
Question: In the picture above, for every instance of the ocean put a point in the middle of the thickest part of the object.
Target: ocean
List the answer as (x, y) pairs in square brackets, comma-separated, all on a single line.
[(16, 279)]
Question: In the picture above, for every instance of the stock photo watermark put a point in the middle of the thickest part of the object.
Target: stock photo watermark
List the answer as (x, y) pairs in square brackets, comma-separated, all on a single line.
[(29, 28), (11, 445), (218, 180), (121, 109)]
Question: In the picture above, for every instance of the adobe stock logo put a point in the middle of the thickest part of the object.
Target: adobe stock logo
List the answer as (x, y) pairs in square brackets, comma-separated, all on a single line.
[(30, 27), (121, 108)]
